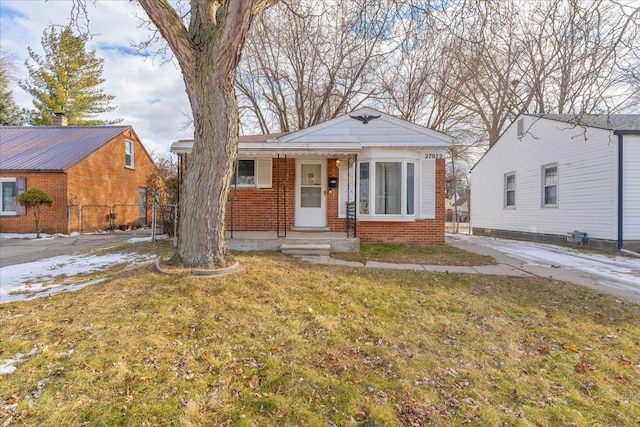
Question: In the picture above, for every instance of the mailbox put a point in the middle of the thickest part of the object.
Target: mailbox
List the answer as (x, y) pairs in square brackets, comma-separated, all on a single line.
[(333, 182)]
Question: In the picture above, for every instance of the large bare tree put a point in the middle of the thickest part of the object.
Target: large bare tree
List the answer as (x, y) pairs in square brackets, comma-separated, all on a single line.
[(317, 62), (207, 43)]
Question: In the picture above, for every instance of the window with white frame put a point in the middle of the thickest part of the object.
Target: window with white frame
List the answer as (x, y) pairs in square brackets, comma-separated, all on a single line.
[(245, 173), (550, 185), (387, 188), (128, 154), (9, 196), (510, 190)]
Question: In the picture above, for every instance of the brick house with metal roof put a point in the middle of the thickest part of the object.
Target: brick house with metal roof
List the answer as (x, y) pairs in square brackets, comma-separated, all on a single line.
[(96, 175)]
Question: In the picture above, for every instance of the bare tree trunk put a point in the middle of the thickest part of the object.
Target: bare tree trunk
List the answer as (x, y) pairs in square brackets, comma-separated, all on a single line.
[(201, 240), (208, 53)]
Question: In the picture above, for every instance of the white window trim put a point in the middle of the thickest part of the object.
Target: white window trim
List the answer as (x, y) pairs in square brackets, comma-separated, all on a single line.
[(262, 175), (255, 173), (515, 194), (9, 213), (372, 216), (543, 185), (126, 149)]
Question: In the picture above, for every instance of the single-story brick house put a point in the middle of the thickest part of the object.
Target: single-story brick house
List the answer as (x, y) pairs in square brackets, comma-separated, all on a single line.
[(365, 173), (96, 176), (563, 179)]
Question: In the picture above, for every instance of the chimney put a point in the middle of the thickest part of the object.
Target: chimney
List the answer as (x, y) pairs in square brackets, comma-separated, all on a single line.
[(59, 119)]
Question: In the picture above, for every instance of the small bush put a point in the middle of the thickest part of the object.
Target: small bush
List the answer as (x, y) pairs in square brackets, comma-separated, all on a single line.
[(34, 198)]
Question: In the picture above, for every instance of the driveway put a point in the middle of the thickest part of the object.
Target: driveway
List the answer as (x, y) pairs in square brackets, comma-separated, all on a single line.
[(18, 251), (616, 275)]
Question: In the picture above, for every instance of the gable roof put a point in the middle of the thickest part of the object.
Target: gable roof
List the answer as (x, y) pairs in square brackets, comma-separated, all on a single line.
[(346, 134), (620, 122), (49, 148), (380, 130)]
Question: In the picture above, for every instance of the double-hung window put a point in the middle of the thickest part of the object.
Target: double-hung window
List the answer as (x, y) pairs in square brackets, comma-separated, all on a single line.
[(387, 188), (510, 190), (550, 185), (245, 174), (9, 196), (128, 154)]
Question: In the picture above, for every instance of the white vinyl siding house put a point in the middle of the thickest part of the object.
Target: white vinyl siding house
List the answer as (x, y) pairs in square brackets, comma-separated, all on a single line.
[(567, 180), (631, 178)]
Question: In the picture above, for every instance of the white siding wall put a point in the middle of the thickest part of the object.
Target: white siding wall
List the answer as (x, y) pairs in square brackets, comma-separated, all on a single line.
[(631, 200), (587, 170)]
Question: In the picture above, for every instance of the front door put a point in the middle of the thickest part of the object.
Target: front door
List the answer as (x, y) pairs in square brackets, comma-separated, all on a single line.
[(311, 193)]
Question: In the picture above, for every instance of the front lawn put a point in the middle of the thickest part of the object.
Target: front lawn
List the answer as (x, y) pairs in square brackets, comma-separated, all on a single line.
[(437, 254), (286, 343)]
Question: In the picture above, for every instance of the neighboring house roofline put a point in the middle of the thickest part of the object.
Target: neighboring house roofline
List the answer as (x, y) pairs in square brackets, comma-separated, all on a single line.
[(52, 148), (585, 120)]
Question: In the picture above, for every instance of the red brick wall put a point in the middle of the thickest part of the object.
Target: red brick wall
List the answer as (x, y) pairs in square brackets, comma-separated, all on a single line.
[(335, 224), (98, 182), (54, 218), (419, 232), (102, 181), (255, 209)]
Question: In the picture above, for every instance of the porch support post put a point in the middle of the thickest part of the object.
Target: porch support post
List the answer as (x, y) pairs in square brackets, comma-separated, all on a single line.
[(355, 194), (278, 195), (284, 187)]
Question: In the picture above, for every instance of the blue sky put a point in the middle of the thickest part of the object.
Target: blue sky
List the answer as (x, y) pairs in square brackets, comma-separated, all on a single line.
[(150, 95)]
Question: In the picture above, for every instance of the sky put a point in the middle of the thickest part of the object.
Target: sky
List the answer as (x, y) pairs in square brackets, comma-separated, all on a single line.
[(149, 94)]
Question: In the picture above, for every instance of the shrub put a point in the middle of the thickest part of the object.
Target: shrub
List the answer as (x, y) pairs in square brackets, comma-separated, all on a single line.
[(34, 198)]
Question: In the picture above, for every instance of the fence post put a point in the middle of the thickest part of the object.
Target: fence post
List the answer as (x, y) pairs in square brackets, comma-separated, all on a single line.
[(80, 218), (153, 222), (175, 225)]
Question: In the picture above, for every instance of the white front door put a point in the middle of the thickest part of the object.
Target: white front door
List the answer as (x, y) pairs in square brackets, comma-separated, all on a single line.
[(311, 193)]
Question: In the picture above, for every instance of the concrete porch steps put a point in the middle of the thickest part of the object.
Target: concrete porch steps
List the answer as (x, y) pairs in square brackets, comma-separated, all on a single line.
[(306, 249)]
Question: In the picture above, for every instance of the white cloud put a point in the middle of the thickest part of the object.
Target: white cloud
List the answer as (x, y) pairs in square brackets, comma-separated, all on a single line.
[(150, 96)]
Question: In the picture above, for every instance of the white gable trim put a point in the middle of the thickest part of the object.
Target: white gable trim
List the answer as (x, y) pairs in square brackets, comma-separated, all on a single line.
[(436, 139)]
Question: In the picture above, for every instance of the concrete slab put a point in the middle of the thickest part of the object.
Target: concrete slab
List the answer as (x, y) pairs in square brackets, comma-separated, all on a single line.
[(327, 260), (501, 270), (376, 264), (449, 269)]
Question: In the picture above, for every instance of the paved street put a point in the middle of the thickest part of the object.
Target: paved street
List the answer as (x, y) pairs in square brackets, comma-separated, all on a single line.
[(18, 251)]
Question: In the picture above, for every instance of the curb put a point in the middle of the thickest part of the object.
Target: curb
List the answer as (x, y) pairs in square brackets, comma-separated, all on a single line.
[(219, 272)]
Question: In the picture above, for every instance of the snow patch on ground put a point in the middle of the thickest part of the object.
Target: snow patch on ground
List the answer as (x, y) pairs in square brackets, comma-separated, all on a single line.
[(622, 271), (35, 279)]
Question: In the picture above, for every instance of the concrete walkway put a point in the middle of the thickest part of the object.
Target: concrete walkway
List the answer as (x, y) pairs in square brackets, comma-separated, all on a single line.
[(505, 266)]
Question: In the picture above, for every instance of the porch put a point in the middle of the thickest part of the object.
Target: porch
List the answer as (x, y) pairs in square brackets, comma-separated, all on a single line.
[(269, 240)]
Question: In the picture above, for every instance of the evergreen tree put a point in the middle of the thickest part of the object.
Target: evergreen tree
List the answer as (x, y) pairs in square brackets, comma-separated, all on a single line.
[(66, 79), (10, 113)]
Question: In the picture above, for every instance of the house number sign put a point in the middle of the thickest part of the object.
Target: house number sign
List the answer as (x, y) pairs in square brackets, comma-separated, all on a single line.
[(434, 156)]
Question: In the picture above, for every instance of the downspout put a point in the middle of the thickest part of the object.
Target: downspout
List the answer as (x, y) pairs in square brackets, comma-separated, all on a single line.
[(620, 189)]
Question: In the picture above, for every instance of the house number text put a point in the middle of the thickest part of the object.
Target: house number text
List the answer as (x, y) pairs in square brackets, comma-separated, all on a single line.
[(433, 156)]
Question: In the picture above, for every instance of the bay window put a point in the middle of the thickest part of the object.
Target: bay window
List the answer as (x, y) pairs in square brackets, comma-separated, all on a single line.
[(387, 188)]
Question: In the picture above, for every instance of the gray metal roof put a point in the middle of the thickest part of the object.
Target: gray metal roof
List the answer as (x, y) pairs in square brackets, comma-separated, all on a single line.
[(602, 121), (48, 148)]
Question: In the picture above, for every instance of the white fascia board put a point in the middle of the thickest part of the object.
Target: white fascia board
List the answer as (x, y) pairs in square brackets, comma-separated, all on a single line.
[(291, 148), (183, 146)]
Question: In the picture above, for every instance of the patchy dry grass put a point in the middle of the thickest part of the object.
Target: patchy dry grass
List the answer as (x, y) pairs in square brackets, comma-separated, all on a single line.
[(439, 254), (288, 343)]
